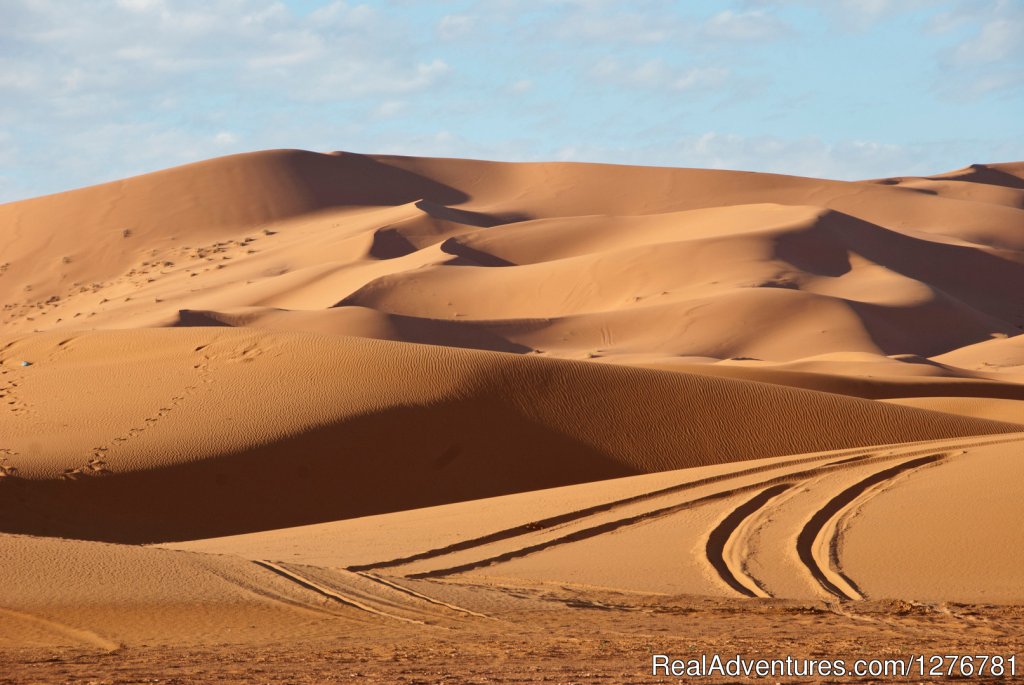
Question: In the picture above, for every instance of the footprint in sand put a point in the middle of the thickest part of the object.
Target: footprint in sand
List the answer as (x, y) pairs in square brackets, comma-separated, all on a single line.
[(6, 469), (93, 467), (100, 466)]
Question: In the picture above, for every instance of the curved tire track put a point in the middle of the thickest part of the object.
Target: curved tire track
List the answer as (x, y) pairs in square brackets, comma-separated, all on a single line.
[(835, 459), (576, 515), (806, 545), (787, 479), (736, 578)]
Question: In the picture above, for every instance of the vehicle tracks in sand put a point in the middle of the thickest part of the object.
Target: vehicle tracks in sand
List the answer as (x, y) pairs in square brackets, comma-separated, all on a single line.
[(731, 572), (579, 514), (371, 593), (787, 479), (724, 545), (321, 589), (412, 593), (817, 542), (77, 634)]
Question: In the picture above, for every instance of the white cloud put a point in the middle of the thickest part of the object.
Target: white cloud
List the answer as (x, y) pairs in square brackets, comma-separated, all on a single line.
[(1009, 80), (853, 15), (990, 57), (754, 25), (657, 74), (870, 11), (154, 80), (142, 46), (695, 78), (339, 13), (454, 26), (647, 22), (274, 13), (519, 87), (140, 5), (809, 156), (390, 108), (997, 40), (15, 76)]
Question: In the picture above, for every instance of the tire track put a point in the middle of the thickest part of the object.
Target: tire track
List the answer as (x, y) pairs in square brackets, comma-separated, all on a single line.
[(418, 595), (575, 515), (846, 457), (329, 593), (808, 547), (80, 634), (788, 480), (736, 577)]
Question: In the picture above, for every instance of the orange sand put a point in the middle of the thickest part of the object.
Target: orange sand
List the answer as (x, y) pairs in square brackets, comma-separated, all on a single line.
[(350, 389)]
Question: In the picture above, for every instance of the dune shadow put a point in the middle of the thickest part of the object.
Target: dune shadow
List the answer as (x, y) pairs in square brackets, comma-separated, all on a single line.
[(978, 283), (464, 334), (467, 217), (814, 251), (353, 179), (986, 175), (398, 459), (192, 318), (472, 335), (389, 243), (470, 256)]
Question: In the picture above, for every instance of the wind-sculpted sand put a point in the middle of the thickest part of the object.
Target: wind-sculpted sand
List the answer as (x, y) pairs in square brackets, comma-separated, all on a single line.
[(310, 416)]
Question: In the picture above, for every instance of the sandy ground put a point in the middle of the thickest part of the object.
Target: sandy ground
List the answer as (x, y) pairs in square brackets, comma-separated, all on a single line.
[(551, 635), (299, 417)]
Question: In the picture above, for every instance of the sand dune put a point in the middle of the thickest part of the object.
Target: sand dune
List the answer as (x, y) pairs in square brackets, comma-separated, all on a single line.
[(1001, 357), (354, 394), (572, 260), (371, 427)]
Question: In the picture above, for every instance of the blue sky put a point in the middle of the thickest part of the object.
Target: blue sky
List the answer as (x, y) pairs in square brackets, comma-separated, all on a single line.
[(99, 90)]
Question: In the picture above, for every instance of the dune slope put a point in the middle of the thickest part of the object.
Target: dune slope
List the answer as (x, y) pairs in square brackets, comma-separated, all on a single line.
[(581, 261), (229, 421)]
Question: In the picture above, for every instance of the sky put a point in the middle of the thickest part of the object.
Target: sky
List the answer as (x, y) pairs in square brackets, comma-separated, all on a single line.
[(96, 90)]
